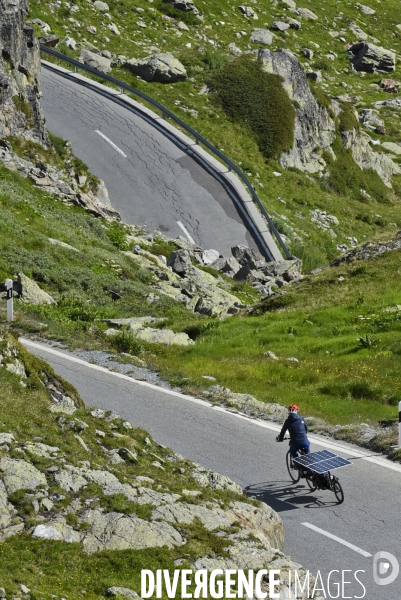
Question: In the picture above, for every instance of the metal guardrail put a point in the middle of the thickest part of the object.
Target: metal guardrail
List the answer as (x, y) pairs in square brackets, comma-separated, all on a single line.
[(167, 113)]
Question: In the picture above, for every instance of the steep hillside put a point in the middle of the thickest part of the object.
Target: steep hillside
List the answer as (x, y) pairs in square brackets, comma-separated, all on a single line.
[(337, 184), (88, 500)]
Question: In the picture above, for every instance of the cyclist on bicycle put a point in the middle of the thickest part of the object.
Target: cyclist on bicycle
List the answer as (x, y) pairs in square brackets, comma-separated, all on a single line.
[(298, 429)]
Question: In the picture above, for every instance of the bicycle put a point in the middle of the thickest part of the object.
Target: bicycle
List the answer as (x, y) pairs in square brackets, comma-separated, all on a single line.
[(309, 471)]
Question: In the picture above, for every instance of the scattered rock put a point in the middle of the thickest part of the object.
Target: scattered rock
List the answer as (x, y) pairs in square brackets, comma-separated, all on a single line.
[(392, 147), (262, 36), (307, 14), (31, 292), (369, 58), (366, 10), (280, 26), (248, 12), (161, 67), (101, 6), (96, 61), (184, 5)]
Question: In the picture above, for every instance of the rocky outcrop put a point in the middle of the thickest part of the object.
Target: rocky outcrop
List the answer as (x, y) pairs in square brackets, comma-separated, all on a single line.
[(60, 184), (163, 67), (185, 5), (369, 58), (138, 326), (96, 61), (31, 293), (314, 126), (20, 111), (366, 158), (368, 250)]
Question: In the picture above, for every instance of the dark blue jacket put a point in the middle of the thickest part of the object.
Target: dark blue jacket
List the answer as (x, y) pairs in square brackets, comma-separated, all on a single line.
[(297, 429)]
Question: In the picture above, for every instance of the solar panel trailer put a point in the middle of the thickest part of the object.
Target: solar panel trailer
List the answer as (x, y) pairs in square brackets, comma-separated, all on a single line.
[(321, 462)]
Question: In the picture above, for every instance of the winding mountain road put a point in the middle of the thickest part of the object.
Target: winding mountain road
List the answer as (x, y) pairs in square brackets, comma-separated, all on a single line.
[(321, 535), (151, 181)]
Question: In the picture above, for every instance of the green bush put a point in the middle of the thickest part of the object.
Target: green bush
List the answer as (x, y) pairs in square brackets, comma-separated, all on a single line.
[(256, 100), (347, 118), (117, 235), (125, 341)]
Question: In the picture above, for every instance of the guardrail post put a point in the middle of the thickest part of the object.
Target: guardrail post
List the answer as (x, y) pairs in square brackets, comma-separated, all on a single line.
[(10, 308), (75, 69)]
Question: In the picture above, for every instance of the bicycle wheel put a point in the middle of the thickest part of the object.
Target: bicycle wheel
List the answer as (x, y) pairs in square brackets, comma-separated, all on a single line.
[(338, 490), (293, 472), (311, 484)]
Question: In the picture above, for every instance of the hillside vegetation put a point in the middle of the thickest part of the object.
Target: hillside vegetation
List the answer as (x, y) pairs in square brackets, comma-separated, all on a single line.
[(342, 325), (358, 198)]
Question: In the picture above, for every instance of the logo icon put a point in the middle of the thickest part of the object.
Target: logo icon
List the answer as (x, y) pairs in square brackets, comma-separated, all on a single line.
[(385, 568)]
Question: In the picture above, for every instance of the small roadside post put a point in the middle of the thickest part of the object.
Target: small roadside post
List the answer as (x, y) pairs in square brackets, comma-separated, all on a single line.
[(10, 308)]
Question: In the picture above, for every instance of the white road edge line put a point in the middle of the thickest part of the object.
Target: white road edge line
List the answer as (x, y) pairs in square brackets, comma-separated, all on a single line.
[(337, 539), (111, 143), (186, 232), (382, 462)]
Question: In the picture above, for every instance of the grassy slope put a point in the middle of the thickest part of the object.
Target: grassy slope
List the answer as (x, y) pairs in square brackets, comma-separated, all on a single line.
[(319, 322), (291, 197), (36, 563)]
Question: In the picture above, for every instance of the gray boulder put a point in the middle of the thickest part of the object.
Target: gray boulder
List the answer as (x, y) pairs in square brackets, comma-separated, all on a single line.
[(161, 67), (96, 61), (228, 266), (247, 257), (101, 6), (31, 292), (185, 5), (262, 36), (280, 26), (247, 11), (307, 14), (314, 126), (369, 58), (370, 118), (180, 262)]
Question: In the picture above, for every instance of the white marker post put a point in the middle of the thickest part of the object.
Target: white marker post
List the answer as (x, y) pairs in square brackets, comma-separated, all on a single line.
[(10, 311)]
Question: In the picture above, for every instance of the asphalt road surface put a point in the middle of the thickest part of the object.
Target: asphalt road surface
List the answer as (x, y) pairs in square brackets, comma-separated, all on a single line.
[(368, 522), (151, 181)]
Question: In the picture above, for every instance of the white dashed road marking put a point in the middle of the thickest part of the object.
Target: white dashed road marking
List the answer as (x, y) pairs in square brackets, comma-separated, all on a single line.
[(111, 143), (186, 232), (337, 539)]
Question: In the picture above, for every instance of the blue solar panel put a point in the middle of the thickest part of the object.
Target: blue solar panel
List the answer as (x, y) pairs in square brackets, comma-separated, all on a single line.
[(321, 462)]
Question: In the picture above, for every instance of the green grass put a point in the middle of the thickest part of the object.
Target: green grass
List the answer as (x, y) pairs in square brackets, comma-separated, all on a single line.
[(221, 22), (36, 563)]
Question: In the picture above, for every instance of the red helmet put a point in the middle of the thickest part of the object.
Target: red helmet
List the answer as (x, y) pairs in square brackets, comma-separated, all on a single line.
[(293, 408)]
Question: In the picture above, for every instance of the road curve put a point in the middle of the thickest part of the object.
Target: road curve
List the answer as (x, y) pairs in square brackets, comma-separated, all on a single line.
[(151, 181), (369, 521)]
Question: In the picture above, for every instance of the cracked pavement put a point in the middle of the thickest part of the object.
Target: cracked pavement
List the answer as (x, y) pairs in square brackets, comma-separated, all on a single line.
[(156, 184)]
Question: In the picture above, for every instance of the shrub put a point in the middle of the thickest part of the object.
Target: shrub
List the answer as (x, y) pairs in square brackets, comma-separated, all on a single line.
[(125, 341), (347, 119), (117, 235), (258, 101)]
